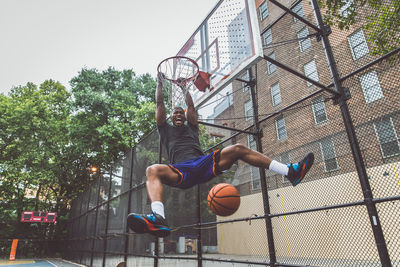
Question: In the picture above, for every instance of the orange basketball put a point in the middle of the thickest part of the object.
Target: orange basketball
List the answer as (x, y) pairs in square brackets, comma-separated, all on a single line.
[(223, 199)]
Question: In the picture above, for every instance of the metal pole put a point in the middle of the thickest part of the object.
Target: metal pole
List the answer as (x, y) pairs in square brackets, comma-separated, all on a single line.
[(225, 127), (268, 222), (199, 243), (95, 220), (132, 153), (355, 148), (157, 242), (291, 12), (300, 75), (79, 226), (107, 218), (87, 215)]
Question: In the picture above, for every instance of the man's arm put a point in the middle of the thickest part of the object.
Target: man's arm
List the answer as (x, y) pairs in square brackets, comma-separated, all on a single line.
[(161, 113), (191, 114)]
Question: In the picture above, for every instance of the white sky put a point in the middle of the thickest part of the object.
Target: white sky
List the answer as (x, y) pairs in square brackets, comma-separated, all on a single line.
[(55, 39)]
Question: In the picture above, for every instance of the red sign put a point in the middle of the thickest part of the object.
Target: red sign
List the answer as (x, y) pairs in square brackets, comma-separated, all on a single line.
[(38, 216)]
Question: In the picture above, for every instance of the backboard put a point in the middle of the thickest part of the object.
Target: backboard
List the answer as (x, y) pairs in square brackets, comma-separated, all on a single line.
[(225, 44)]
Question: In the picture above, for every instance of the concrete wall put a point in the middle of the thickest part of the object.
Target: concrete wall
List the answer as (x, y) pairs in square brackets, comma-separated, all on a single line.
[(322, 234)]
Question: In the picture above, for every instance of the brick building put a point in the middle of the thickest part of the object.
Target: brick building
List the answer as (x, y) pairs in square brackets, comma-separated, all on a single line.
[(315, 124)]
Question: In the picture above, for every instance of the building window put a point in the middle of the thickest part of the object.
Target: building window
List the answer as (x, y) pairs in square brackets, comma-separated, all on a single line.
[(271, 67), (267, 37), (255, 173), (387, 137), (263, 10), (371, 87), (304, 42), (298, 9), (358, 44), (310, 70), (248, 110), (285, 159), (347, 8), (245, 77), (318, 107), (276, 94), (329, 155), (281, 128)]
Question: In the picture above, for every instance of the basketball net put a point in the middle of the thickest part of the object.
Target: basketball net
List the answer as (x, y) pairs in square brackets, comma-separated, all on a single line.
[(180, 74), (175, 93)]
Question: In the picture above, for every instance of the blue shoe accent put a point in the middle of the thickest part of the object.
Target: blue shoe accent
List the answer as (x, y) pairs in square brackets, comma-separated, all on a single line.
[(295, 166), (298, 170), (151, 223)]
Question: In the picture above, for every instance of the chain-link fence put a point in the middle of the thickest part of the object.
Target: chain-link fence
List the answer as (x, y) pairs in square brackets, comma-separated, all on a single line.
[(345, 212)]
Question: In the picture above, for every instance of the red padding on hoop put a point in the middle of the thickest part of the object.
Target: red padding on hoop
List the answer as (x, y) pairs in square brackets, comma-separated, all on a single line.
[(202, 81)]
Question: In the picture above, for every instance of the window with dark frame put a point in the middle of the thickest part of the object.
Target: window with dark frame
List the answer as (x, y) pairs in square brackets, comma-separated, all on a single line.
[(319, 111), (248, 110), (387, 137), (347, 8), (263, 10), (271, 67), (329, 155), (267, 36), (370, 86), (358, 44), (298, 9), (245, 77), (276, 94), (281, 128), (310, 70), (255, 172), (304, 44)]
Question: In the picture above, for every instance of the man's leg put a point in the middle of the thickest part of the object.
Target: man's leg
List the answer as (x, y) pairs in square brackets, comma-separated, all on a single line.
[(294, 172), (233, 153), (154, 223), (157, 175)]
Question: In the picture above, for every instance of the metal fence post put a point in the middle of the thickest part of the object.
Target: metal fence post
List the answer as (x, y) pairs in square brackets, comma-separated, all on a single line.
[(87, 215), (95, 221), (132, 153), (156, 252), (268, 222), (355, 148), (199, 243), (79, 226), (107, 218)]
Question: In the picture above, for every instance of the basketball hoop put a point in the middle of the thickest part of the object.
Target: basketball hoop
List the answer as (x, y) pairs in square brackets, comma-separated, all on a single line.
[(179, 70), (181, 73)]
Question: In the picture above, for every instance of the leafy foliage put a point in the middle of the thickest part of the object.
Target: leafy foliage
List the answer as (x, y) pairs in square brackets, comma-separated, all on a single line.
[(112, 109), (33, 127), (50, 137), (382, 20)]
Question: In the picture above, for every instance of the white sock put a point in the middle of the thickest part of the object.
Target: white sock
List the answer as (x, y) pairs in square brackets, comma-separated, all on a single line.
[(279, 167), (158, 207)]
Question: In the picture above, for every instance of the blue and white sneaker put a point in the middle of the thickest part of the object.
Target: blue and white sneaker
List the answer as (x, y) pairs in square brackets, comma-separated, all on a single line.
[(298, 170), (151, 223)]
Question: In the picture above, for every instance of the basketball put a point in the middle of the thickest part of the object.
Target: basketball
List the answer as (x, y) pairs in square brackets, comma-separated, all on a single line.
[(223, 199)]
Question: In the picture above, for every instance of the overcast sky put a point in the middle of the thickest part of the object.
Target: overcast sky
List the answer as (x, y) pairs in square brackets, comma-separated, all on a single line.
[(55, 39)]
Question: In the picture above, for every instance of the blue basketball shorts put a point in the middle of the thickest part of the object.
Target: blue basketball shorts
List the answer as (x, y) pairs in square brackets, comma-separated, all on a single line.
[(198, 170)]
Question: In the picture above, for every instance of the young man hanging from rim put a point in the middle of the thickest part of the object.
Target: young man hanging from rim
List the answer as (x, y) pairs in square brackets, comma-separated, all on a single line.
[(189, 166)]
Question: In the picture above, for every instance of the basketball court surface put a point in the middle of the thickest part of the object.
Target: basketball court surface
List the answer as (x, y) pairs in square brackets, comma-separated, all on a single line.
[(38, 263)]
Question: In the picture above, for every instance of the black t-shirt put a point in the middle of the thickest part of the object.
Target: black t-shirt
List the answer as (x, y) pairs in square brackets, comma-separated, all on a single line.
[(181, 142)]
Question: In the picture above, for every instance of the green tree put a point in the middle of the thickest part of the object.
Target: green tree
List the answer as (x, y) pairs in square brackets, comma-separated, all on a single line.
[(49, 138), (33, 134), (112, 110), (382, 20)]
